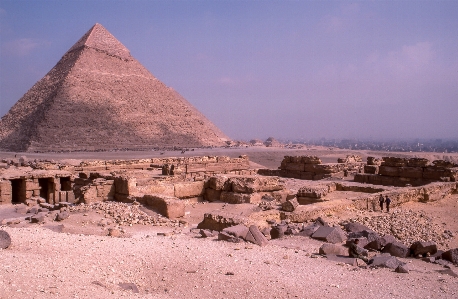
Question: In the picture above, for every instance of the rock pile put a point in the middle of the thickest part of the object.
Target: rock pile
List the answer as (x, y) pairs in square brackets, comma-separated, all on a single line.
[(407, 226)]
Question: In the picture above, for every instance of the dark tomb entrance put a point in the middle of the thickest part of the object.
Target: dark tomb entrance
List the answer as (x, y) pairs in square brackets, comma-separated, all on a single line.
[(65, 184), (18, 191), (46, 187)]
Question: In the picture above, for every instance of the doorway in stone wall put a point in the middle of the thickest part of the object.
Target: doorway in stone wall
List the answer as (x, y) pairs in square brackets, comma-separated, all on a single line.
[(18, 193), (46, 187), (65, 184)]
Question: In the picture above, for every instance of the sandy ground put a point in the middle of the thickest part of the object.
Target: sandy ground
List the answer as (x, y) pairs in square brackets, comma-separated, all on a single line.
[(76, 258)]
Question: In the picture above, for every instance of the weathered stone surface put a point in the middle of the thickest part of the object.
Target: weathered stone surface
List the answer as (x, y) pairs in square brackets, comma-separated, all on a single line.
[(354, 227), (223, 236), (38, 218), (417, 162), (62, 216), (370, 235), (330, 234), (219, 220), (389, 171), (379, 243), (290, 205), (5, 239), (170, 207), (422, 248), (385, 261), (372, 169), (373, 161), (238, 231), (396, 249), (126, 185), (333, 249), (451, 255), (255, 236), (220, 183), (341, 259), (394, 162), (206, 233), (278, 231), (251, 184), (403, 268), (189, 189), (238, 198)]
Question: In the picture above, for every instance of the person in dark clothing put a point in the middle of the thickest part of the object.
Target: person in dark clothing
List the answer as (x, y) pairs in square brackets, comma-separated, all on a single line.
[(355, 251), (387, 202), (381, 200)]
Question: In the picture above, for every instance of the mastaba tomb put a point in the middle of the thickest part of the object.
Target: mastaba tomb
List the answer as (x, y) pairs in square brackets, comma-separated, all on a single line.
[(98, 97)]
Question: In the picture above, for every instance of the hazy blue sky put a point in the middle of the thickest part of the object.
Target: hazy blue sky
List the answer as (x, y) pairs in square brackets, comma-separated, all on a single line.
[(287, 69)]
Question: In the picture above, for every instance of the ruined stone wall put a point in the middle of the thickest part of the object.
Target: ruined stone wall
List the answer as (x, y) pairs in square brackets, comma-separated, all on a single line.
[(403, 171), (311, 168)]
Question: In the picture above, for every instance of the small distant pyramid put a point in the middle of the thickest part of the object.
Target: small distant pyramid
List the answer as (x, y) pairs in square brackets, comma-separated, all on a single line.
[(98, 97)]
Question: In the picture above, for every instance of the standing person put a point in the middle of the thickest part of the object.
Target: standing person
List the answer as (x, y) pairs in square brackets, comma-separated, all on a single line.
[(381, 200), (387, 201)]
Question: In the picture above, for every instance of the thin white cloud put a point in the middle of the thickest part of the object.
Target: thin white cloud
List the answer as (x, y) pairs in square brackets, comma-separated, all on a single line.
[(22, 46)]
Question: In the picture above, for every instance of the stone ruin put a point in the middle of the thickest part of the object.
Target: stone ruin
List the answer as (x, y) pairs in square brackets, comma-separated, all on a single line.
[(401, 172), (311, 168)]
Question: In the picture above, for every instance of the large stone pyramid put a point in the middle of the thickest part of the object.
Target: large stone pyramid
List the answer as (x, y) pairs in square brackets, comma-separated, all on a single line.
[(98, 97)]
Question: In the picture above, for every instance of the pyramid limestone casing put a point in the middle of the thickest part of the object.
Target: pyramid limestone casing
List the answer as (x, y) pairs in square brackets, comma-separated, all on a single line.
[(98, 97)]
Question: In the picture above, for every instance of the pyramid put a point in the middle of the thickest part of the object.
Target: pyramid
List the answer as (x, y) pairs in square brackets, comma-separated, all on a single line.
[(98, 97)]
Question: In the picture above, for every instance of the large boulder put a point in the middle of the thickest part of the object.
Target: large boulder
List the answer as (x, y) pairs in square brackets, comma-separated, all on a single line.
[(385, 261), (330, 234), (255, 236), (451, 255), (290, 205), (219, 220), (423, 248), (189, 189), (278, 231), (370, 235), (333, 249), (381, 242), (167, 206), (238, 231), (354, 227), (5, 239), (396, 249), (308, 230), (251, 184)]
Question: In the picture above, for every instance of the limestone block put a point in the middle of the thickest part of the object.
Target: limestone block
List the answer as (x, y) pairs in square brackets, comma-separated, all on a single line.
[(89, 194), (451, 255), (310, 160), (394, 162), (389, 171), (294, 166), (422, 248), (333, 249), (373, 161), (218, 220), (70, 197), (157, 187), (320, 176), (386, 261), (170, 207), (396, 249), (317, 191), (293, 174), (219, 182), (330, 234), (442, 163), (411, 172), (290, 205), (189, 189), (251, 184), (238, 231), (255, 236), (126, 185), (434, 173), (372, 169), (417, 162), (307, 176), (304, 200)]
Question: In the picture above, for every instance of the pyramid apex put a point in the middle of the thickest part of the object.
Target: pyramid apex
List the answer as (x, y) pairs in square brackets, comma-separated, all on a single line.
[(99, 38)]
